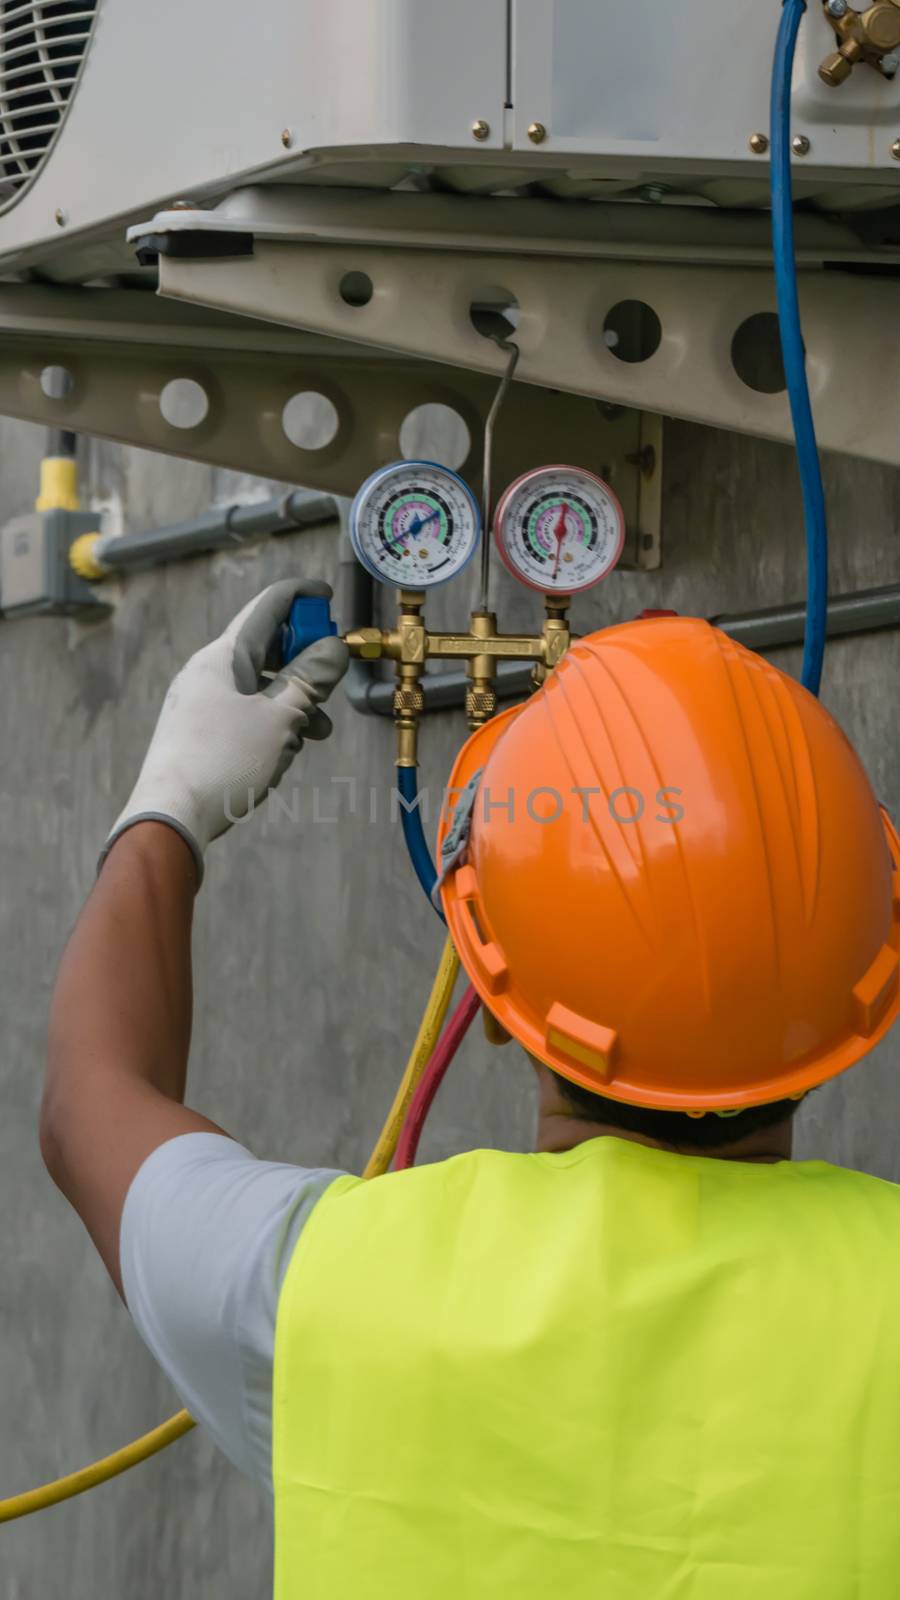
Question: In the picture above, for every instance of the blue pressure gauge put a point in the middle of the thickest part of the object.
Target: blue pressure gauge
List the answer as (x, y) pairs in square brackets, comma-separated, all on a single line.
[(414, 524)]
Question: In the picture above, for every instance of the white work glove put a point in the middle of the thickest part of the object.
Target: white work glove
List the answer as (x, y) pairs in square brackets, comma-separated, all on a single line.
[(222, 741)]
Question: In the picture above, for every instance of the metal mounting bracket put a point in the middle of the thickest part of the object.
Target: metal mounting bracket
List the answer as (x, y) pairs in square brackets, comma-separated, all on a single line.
[(120, 349), (701, 278), (421, 307)]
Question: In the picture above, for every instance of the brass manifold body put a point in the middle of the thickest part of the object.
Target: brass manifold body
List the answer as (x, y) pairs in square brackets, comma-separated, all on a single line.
[(410, 644)]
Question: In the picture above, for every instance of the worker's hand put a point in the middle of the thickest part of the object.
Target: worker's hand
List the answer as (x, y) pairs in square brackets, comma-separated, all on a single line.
[(223, 739)]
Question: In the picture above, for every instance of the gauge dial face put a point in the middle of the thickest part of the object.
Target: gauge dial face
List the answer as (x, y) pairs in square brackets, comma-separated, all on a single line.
[(560, 529), (414, 524)]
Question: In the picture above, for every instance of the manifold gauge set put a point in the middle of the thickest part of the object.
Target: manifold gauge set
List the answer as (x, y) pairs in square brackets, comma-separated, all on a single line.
[(558, 529)]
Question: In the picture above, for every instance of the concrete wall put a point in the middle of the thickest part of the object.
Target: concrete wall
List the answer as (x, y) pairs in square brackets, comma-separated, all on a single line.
[(314, 952)]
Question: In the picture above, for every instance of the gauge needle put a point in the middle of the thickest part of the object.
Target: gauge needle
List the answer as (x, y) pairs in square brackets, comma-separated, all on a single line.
[(559, 533), (420, 523)]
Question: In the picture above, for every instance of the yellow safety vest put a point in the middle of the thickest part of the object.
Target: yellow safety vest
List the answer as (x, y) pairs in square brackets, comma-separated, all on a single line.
[(610, 1374)]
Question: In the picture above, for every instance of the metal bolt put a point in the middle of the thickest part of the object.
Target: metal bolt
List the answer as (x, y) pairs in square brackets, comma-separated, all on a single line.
[(758, 143), (184, 205), (287, 137), (890, 63), (653, 193), (480, 129), (895, 149), (537, 133), (837, 8), (61, 217), (800, 144)]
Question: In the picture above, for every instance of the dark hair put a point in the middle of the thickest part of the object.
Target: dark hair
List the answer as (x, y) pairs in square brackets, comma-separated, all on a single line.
[(675, 1127)]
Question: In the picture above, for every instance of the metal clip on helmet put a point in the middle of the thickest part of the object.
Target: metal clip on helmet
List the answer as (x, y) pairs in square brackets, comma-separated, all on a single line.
[(679, 889)]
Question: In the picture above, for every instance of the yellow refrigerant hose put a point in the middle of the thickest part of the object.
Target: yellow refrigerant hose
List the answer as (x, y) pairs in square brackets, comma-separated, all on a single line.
[(50, 1494), (420, 1055)]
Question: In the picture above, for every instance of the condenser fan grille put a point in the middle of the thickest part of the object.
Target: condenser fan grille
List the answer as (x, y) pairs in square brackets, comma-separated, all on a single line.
[(42, 47)]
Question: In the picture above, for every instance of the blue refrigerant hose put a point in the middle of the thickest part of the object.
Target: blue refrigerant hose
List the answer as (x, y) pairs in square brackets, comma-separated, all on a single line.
[(793, 352), (413, 832)]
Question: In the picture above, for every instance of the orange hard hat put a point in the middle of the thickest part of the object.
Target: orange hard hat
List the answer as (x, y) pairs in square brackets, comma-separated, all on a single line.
[(668, 877)]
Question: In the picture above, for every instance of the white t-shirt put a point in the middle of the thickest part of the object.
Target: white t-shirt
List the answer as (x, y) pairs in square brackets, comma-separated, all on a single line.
[(206, 1238)]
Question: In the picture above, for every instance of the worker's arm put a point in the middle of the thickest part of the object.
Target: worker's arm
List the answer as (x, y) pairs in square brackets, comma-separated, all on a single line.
[(120, 1028), (121, 1015)]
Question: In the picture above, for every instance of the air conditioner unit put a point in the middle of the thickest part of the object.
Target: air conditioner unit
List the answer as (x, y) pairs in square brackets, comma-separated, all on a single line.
[(356, 190)]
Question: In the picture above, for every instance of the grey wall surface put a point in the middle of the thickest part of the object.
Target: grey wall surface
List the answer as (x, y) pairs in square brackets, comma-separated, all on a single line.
[(314, 954)]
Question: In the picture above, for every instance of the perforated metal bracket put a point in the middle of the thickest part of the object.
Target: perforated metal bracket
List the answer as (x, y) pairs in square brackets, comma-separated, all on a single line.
[(566, 316), (120, 350), (701, 287)]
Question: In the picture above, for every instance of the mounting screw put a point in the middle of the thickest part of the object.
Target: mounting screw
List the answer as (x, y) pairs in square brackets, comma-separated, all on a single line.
[(895, 149), (837, 8), (800, 144), (890, 64), (287, 137), (62, 217), (184, 205), (759, 143), (537, 133), (653, 193), (480, 129)]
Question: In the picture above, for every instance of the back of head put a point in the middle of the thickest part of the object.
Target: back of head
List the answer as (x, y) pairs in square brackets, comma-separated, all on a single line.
[(679, 890)]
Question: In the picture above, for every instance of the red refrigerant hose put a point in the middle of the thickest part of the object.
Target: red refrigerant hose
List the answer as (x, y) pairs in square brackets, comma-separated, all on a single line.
[(433, 1076)]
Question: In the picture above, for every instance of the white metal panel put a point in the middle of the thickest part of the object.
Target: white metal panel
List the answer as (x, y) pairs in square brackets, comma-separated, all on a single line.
[(192, 100), (177, 98), (686, 85)]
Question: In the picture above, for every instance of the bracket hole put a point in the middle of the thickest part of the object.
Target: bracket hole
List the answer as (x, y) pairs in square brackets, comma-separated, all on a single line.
[(57, 382), (632, 331), (356, 288), (184, 403), (756, 354), (495, 313), (310, 420), (435, 432)]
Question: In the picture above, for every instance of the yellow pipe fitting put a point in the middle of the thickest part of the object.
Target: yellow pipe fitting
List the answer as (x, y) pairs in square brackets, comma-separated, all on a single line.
[(83, 558), (59, 485)]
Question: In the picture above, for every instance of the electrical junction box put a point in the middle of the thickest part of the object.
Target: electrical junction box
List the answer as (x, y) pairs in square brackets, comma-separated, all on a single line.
[(35, 575)]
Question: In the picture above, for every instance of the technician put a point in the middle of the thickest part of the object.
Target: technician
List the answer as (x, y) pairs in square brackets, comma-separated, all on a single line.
[(653, 1360)]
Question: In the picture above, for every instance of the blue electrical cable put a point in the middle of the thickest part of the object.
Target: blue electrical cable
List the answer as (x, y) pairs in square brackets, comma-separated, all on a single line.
[(793, 352), (413, 832)]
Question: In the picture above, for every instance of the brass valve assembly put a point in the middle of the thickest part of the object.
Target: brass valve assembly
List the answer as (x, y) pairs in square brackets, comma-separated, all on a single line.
[(871, 36), (410, 644)]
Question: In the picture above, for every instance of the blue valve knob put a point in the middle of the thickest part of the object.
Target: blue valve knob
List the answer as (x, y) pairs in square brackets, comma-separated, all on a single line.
[(309, 620)]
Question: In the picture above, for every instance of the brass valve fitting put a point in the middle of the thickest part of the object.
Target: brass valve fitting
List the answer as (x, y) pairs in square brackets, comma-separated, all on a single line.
[(409, 703), (481, 703), (871, 36), (481, 696)]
